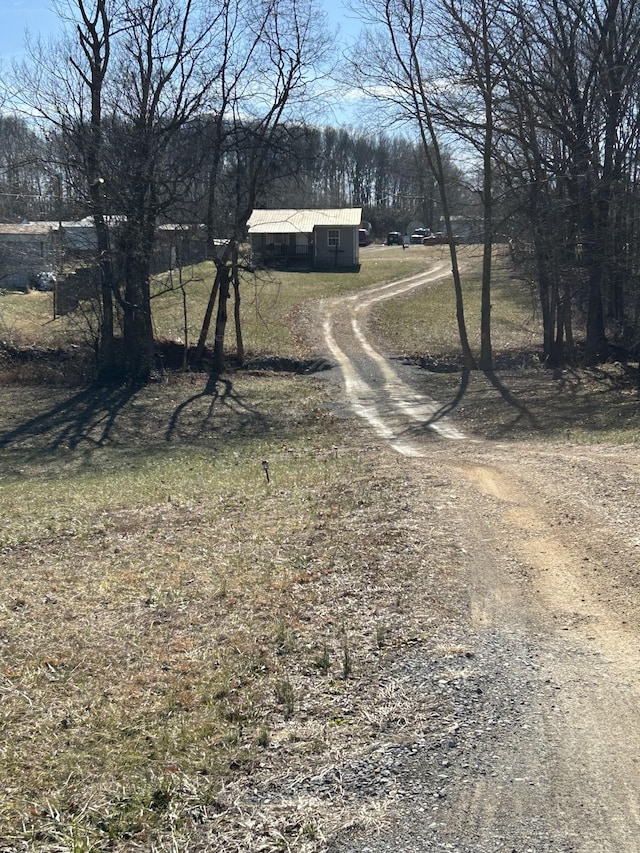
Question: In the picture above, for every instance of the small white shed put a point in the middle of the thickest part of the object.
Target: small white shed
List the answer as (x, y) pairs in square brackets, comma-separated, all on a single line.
[(326, 238)]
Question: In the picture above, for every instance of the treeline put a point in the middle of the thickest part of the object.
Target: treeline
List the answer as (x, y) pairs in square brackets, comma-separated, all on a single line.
[(547, 96), (26, 186), (389, 177), (567, 164)]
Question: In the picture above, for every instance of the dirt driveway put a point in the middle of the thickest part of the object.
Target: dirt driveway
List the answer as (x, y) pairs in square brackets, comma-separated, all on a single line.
[(541, 750)]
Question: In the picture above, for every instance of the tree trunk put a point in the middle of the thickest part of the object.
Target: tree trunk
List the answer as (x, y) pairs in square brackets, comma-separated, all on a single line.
[(236, 304), (138, 327), (467, 355), (486, 349), (487, 76), (545, 293), (221, 321), (106, 354), (432, 152), (206, 322)]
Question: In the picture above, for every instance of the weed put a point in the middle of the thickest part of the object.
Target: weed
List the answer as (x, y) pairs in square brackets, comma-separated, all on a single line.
[(322, 661), (285, 697), (310, 831), (283, 639), (347, 666), (317, 746)]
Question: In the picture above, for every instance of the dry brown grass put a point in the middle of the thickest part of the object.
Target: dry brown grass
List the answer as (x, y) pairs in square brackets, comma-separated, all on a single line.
[(187, 650), (173, 625)]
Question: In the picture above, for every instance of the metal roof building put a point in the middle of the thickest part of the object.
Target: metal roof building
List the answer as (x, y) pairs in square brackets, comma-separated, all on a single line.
[(302, 221), (326, 237)]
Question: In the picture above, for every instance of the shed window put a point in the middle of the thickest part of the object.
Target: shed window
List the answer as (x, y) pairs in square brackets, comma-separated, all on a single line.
[(333, 237)]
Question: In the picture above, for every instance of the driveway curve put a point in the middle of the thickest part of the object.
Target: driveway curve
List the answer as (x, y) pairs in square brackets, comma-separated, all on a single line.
[(373, 385), (543, 753)]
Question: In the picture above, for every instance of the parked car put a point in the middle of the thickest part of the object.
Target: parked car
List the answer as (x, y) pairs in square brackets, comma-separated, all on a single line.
[(416, 238), (439, 239), (364, 237), (44, 280), (394, 238)]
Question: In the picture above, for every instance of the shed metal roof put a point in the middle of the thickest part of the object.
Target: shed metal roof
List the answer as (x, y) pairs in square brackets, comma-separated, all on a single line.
[(301, 221), (44, 227), (27, 228)]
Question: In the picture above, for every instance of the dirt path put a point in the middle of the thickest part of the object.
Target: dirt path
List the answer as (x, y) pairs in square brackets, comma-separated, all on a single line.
[(545, 751), (375, 388), (568, 774)]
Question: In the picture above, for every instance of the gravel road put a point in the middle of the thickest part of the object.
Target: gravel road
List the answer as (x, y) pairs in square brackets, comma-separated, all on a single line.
[(539, 747)]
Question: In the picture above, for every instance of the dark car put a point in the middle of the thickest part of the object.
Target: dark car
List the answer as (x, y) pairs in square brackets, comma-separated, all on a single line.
[(364, 237), (45, 280), (439, 239), (394, 238)]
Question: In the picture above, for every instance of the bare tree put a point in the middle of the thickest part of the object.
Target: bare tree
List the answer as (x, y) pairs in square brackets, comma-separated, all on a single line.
[(396, 70), (118, 89), (473, 54), (161, 83), (573, 92), (275, 67), (23, 182), (94, 38)]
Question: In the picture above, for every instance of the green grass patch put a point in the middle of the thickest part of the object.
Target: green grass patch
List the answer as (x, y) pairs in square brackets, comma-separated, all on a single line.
[(270, 301), (424, 321), (26, 320), (522, 399), (164, 605)]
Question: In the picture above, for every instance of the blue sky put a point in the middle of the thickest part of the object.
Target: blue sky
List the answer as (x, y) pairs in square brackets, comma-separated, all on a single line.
[(37, 16), (18, 15)]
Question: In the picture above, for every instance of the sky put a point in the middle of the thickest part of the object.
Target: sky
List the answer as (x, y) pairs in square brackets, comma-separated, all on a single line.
[(17, 16)]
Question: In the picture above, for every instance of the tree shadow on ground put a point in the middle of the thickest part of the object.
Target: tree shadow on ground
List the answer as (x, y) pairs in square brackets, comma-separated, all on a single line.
[(453, 404), (528, 401), (523, 412), (87, 416), (131, 417), (210, 390), (219, 390), (474, 400)]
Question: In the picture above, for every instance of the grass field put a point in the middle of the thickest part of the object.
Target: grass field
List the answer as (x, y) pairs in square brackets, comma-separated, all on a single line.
[(425, 321), (521, 399), (163, 614), (172, 621), (268, 301)]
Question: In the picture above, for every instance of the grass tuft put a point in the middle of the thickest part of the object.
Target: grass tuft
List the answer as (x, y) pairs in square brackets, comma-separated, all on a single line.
[(165, 613)]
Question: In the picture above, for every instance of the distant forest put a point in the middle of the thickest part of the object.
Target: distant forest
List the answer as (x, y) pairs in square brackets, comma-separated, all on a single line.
[(308, 167)]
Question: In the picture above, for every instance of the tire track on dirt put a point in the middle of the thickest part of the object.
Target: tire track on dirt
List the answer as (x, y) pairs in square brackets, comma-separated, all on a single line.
[(555, 761), (567, 777), (374, 388)]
